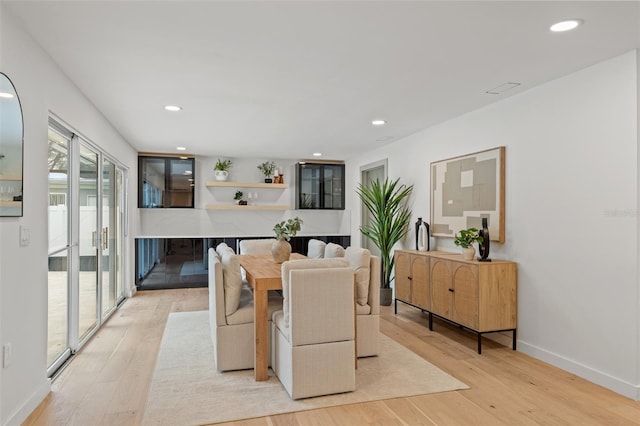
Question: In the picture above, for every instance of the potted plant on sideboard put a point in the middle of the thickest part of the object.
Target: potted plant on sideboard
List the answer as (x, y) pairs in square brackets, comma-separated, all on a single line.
[(465, 239), (389, 223)]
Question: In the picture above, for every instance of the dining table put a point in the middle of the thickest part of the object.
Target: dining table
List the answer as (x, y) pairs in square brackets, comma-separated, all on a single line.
[(263, 274)]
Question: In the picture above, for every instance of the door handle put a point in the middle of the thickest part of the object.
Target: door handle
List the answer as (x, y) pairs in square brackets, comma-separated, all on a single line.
[(105, 238)]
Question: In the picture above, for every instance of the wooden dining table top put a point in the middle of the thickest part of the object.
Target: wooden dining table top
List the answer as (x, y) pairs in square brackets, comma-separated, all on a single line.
[(262, 267)]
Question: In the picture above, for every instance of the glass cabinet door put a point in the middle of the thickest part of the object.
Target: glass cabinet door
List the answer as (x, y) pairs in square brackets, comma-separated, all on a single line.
[(320, 186), (333, 187)]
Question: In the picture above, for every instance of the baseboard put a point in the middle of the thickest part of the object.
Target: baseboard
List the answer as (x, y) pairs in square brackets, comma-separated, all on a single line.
[(27, 408), (588, 373)]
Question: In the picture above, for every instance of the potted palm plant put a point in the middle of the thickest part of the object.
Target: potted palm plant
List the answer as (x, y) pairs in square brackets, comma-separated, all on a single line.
[(387, 203)]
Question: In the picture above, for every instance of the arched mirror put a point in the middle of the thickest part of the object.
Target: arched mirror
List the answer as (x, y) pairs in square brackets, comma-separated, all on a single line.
[(11, 149)]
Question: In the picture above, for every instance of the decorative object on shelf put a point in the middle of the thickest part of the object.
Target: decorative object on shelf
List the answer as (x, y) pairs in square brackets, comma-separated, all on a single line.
[(418, 223), (465, 239), (267, 168), (281, 249), (387, 203), (483, 247), (423, 237), (221, 169), (238, 197), (473, 182)]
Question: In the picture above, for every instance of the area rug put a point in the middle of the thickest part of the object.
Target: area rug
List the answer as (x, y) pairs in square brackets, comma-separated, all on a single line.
[(186, 389)]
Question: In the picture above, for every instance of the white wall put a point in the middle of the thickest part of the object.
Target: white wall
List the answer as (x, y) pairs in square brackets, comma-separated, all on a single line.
[(571, 212), (200, 222), (23, 270)]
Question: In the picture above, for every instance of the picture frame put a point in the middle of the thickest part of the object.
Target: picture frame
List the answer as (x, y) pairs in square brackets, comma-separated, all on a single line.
[(467, 188)]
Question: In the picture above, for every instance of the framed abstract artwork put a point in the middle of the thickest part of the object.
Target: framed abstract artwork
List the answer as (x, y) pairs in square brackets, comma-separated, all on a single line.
[(466, 189)]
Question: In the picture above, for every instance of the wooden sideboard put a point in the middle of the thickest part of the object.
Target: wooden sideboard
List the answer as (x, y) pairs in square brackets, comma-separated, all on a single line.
[(479, 296)]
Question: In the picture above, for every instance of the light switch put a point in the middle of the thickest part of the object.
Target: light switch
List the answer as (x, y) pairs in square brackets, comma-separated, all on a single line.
[(25, 236)]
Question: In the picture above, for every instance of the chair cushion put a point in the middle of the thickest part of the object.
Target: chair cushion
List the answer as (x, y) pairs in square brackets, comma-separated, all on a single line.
[(303, 264), (223, 248), (245, 312), (232, 281), (260, 246), (359, 259), (363, 309), (316, 249), (333, 250)]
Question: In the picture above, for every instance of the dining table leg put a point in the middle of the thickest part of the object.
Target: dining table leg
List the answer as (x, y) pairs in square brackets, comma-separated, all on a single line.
[(260, 320)]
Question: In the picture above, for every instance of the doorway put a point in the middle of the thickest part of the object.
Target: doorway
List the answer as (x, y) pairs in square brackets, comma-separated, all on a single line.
[(370, 173)]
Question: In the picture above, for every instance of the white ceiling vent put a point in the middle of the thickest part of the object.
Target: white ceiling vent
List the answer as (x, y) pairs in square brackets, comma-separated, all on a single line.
[(502, 88)]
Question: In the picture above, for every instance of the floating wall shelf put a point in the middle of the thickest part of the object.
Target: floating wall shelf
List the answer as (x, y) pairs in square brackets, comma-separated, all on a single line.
[(239, 207), (259, 185)]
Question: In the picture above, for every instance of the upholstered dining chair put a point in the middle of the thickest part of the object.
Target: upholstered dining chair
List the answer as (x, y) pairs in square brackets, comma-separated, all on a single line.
[(231, 313), (315, 249), (313, 336), (256, 246)]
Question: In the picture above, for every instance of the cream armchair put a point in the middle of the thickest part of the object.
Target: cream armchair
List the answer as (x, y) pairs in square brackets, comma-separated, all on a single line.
[(231, 313), (367, 275), (313, 336)]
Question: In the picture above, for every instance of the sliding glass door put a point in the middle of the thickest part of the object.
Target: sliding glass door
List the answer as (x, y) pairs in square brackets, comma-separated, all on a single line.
[(89, 242), (59, 282), (86, 241)]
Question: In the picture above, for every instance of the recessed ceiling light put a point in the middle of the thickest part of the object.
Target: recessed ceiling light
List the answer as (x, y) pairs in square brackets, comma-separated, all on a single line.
[(6, 95), (173, 108), (567, 25), (378, 122), (181, 148), (317, 154)]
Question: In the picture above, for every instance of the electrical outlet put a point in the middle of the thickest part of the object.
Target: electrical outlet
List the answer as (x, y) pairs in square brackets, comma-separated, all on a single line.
[(6, 355)]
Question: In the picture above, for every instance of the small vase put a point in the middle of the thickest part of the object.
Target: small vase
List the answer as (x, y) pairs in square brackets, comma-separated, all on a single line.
[(221, 175), (280, 250), (468, 253)]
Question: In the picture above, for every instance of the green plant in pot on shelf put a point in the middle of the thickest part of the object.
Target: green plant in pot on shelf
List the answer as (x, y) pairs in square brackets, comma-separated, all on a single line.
[(285, 230), (238, 198), (267, 168), (386, 202), (465, 239), (221, 169)]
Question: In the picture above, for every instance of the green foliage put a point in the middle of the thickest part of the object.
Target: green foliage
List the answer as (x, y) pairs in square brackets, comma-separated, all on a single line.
[(238, 195), (287, 229), (223, 165), (387, 203), (267, 168), (467, 237)]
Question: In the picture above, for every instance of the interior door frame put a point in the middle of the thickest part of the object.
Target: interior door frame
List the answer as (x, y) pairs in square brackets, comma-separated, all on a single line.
[(364, 170)]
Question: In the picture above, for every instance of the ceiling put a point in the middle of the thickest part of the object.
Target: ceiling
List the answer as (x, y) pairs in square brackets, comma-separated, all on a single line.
[(286, 79)]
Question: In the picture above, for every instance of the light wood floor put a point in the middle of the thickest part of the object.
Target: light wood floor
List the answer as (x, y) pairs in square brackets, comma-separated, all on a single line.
[(108, 382)]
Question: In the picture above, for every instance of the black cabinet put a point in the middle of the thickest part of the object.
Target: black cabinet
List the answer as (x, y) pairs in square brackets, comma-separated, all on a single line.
[(320, 186)]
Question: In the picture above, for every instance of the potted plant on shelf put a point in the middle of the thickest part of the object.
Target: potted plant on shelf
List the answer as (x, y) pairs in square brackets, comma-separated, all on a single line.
[(281, 248), (267, 168), (238, 198), (465, 239), (221, 169), (389, 222)]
